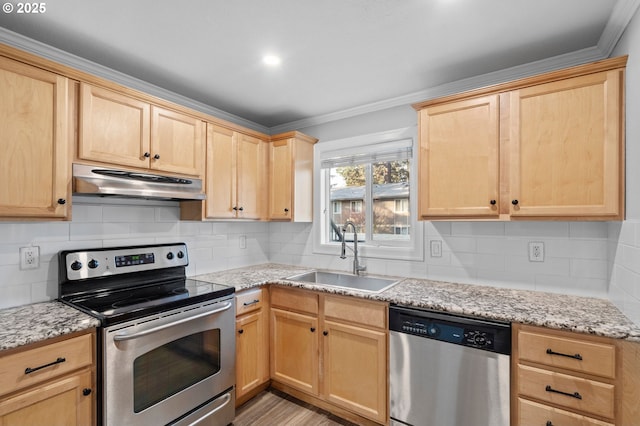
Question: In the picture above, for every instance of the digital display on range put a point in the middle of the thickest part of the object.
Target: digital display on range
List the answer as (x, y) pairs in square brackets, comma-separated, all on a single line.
[(135, 259)]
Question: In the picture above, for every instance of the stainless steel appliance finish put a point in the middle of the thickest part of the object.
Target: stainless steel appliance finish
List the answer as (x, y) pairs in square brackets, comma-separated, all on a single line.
[(448, 370), (166, 342), (95, 180)]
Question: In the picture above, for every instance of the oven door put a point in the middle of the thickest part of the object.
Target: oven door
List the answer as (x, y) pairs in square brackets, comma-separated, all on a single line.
[(165, 367)]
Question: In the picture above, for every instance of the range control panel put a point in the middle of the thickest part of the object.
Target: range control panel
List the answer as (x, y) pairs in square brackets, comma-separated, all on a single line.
[(82, 264), (476, 333)]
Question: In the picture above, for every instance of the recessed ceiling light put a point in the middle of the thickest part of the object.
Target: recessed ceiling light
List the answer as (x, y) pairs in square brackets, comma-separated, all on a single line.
[(271, 60)]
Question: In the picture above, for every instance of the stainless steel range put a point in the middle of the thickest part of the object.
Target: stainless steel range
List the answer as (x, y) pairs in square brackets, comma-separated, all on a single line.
[(166, 342)]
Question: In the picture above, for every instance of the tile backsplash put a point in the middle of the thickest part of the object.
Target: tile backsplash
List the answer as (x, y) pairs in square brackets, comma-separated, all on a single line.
[(584, 258)]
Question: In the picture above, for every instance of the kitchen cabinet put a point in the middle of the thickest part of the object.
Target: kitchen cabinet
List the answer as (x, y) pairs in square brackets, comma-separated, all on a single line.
[(235, 178), (333, 348), (575, 379), (49, 384), (291, 177), (124, 131), (252, 343), (545, 147), (37, 110)]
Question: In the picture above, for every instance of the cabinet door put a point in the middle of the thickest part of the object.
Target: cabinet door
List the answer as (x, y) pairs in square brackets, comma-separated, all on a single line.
[(176, 142), (220, 183), (355, 369), (294, 350), (114, 128), (35, 165), (459, 157), (280, 180), (61, 402), (252, 354), (566, 147), (251, 169)]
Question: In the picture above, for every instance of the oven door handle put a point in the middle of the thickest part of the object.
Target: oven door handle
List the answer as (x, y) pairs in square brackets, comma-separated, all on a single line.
[(123, 337)]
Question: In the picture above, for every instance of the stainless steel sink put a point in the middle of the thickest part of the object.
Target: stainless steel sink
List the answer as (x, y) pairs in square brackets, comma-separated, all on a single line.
[(354, 282)]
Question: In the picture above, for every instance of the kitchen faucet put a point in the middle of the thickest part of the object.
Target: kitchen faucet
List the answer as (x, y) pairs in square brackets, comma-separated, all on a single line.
[(357, 268)]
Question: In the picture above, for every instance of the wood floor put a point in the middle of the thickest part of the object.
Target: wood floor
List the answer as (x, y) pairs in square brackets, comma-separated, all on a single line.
[(273, 408)]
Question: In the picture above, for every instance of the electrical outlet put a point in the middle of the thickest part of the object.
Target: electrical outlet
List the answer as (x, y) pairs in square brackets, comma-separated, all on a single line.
[(536, 251), (436, 248), (243, 241), (29, 257)]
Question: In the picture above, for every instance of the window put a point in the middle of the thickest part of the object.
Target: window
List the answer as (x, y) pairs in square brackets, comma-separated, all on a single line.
[(371, 178)]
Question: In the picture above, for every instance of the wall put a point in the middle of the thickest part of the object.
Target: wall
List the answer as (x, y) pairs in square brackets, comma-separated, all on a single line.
[(107, 223), (624, 251)]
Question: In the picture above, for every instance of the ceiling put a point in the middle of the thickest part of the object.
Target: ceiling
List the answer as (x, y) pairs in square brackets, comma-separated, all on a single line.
[(337, 55)]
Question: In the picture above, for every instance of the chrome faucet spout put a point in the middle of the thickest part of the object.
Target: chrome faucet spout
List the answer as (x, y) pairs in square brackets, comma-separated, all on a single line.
[(357, 268)]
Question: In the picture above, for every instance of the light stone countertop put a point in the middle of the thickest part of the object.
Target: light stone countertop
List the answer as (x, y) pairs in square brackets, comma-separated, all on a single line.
[(564, 312), (40, 321), (33, 323)]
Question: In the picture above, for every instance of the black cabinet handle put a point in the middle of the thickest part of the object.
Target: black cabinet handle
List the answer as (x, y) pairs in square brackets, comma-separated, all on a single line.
[(86, 391), (241, 208), (549, 423), (156, 157), (241, 331), (492, 202), (576, 356), (235, 208), (253, 302), (57, 361), (62, 201), (313, 329), (286, 210), (147, 154), (514, 202), (575, 395), (325, 333)]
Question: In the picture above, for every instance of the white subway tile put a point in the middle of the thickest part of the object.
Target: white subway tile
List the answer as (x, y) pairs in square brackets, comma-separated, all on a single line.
[(582, 249), (589, 268), (550, 266), (15, 295), (588, 229), (128, 214), (478, 228), (537, 229), (97, 231), (86, 213)]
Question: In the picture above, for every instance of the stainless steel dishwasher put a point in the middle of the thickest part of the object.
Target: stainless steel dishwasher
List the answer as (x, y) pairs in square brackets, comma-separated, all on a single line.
[(447, 370)]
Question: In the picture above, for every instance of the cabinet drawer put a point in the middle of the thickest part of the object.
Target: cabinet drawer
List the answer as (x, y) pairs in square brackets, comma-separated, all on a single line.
[(563, 352), (295, 300), (575, 393), (357, 311), (533, 414), (249, 301), (21, 369)]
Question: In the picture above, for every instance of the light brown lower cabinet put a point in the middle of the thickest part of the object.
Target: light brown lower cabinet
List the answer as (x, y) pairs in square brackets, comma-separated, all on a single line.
[(252, 343), (572, 379), (50, 384), (332, 348)]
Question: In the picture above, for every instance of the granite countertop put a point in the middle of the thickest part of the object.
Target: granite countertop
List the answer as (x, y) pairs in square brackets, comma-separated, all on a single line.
[(40, 321), (564, 312)]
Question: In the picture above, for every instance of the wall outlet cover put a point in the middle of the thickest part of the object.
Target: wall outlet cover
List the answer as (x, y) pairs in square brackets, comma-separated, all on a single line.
[(436, 248), (536, 251), (29, 257)]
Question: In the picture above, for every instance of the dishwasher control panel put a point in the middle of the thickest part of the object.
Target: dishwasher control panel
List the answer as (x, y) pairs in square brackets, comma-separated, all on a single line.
[(465, 331)]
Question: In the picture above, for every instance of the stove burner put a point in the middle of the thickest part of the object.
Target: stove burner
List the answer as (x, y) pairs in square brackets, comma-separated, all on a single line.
[(129, 302), (180, 290)]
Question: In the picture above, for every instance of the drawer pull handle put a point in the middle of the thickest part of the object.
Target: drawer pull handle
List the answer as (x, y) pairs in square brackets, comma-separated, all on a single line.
[(576, 356), (575, 395), (253, 302), (31, 370)]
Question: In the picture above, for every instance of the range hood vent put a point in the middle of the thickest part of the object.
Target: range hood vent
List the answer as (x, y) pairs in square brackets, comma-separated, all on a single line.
[(96, 180)]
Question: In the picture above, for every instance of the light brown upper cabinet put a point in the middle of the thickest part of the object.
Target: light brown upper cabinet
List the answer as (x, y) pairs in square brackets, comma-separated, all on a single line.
[(235, 176), (36, 117), (124, 131), (549, 147), (291, 177)]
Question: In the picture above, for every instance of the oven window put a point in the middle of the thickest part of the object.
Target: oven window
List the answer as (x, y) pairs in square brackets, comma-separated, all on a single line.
[(175, 366)]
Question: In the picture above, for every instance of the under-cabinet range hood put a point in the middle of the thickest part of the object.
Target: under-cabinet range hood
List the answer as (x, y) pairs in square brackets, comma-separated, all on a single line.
[(102, 181)]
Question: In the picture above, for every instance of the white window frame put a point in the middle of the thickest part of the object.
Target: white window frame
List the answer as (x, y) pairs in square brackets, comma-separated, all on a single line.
[(356, 206), (339, 209), (375, 248), (403, 205)]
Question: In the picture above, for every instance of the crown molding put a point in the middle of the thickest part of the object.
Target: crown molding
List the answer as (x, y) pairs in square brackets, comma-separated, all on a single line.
[(65, 58), (620, 17)]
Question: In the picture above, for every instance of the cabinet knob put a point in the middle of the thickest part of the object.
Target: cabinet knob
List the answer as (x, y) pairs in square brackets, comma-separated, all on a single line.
[(234, 208), (241, 208), (514, 202), (62, 201), (86, 391), (286, 210), (312, 329), (147, 154), (156, 157), (241, 331), (492, 202), (549, 423), (325, 333)]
